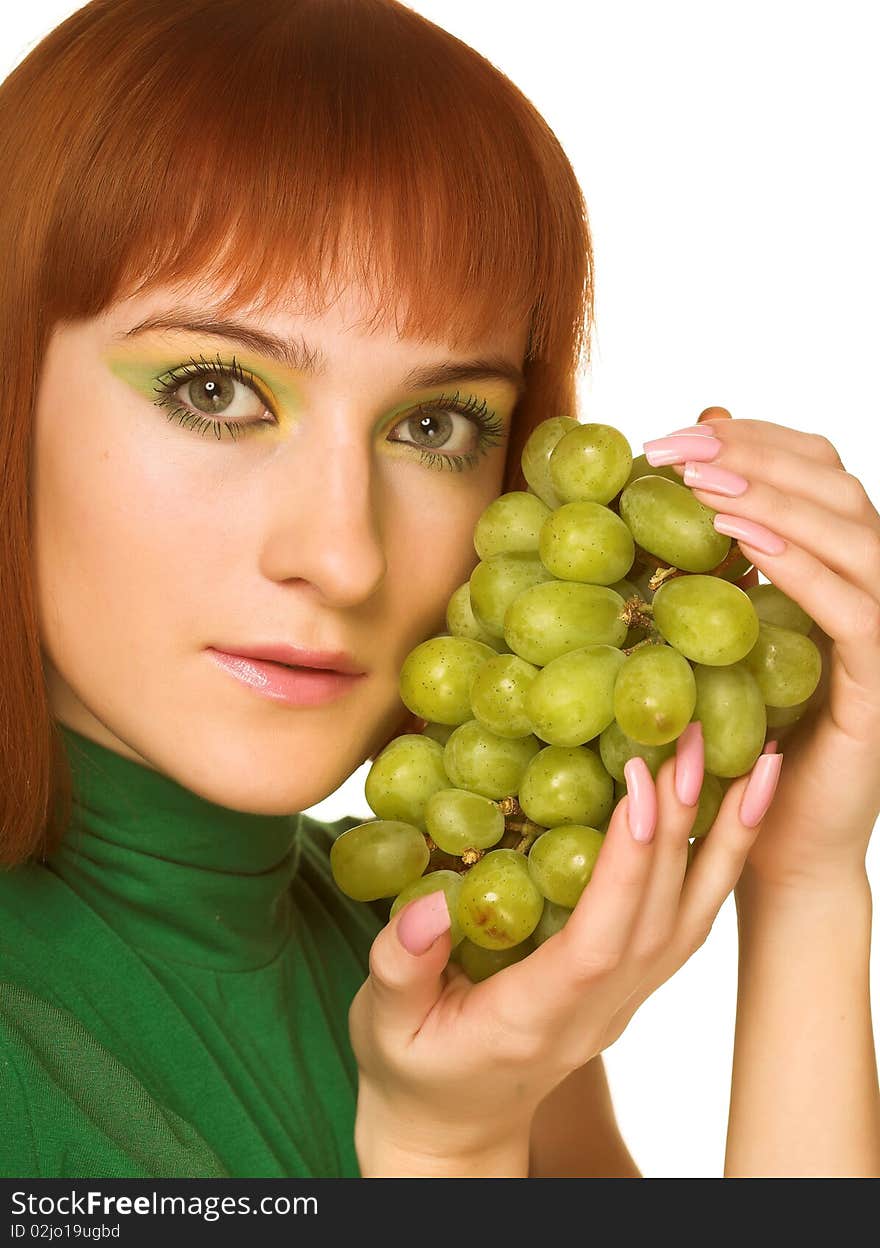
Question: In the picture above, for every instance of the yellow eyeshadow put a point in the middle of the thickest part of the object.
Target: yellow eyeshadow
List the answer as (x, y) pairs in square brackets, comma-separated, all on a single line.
[(142, 371), (141, 367)]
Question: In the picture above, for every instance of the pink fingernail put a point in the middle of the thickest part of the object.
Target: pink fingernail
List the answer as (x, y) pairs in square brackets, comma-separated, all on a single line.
[(705, 431), (716, 480), (770, 747), (641, 799), (689, 764), (750, 534), (680, 447), (760, 789), (422, 921)]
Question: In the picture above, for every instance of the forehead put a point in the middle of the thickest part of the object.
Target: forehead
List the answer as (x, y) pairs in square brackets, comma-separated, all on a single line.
[(351, 312)]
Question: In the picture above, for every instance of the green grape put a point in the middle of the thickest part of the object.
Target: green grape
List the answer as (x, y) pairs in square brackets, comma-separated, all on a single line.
[(711, 795), (590, 464), (784, 716), (496, 582), (498, 695), (499, 904), (436, 677), (641, 468), (477, 759), (775, 607), (561, 861), (450, 882), (536, 456), (586, 542), (731, 710), (620, 790), (571, 699), (479, 963), (510, 525), (787, 665), (438, 732), (616, 749), (668, 521), (457, 819), (566, 785), (549, 619), (553, 919), (404, 776), (378, 859), (461, 621), (654, 695), (706, 619)]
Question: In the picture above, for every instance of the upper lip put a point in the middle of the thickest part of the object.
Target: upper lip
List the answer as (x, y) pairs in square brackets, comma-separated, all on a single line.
[(280, 652)]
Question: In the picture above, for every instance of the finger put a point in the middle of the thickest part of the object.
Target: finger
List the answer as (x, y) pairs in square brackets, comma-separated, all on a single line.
[(596, 936), (407, 962), (850, 548), (764, 435), (678, 784), (787, 473), (849, 616), (718, 863), (723, 851)]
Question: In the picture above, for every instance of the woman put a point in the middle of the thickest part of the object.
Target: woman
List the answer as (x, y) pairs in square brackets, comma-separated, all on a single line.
[(285, 288)]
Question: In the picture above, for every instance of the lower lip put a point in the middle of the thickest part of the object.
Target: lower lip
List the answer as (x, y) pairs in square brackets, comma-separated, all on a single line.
[(299, 686)]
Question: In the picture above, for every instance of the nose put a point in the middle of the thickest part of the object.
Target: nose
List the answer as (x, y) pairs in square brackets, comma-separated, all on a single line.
[(324, 511)]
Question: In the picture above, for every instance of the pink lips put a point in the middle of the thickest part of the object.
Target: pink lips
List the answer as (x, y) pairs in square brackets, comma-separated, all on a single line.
[(293, 686)]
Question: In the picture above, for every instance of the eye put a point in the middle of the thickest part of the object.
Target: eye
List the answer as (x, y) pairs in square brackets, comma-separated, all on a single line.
[(212, 395), (462, 428)]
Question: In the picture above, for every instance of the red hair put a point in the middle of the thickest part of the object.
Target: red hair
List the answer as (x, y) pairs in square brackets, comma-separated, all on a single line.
[(257, 144)]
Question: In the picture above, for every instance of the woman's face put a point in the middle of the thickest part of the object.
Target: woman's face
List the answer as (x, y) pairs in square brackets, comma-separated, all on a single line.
[(329, 521)]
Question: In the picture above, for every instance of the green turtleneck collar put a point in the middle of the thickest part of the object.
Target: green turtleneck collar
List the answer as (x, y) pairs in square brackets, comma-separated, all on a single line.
[(174, 874)]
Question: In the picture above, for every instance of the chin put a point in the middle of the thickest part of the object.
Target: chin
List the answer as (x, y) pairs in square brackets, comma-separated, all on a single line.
[(279, 783)]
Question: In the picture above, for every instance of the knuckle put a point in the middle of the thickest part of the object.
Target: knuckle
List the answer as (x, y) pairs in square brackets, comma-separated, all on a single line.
[(871, 557), (854, 494), (698, 935), (594, 962), (866, 625), (648, 948), (382, 966), (826, 450), (511, 1039)]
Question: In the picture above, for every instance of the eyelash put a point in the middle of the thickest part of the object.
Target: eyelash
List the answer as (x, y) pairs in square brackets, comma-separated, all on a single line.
[(489, 425)]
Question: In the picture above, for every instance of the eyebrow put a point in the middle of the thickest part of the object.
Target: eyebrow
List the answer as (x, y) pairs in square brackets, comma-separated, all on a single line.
[(299, 356)]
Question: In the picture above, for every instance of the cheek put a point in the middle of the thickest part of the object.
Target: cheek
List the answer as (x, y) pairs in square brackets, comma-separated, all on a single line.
[(433, 553), (119, 542)]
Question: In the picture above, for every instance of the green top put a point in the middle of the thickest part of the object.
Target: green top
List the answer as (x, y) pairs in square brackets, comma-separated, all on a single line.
[(174, 989)]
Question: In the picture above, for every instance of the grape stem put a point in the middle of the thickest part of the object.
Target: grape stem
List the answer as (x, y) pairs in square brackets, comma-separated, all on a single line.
[(663, 572), (530, 833)]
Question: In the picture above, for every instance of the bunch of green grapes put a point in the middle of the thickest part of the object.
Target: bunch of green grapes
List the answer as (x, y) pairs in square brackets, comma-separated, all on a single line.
[(600, 620)]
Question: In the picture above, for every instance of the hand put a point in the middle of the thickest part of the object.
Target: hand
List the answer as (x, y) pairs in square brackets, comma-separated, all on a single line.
[(828, 795), (452, 1072)]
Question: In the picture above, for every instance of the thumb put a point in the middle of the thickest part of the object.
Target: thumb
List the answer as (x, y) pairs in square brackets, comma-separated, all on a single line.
[(407, 960)]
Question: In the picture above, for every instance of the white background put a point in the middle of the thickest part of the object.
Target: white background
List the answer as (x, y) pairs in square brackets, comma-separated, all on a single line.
[(728, 159)]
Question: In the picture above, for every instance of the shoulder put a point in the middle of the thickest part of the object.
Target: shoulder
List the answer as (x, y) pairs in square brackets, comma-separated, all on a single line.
[(70, 1107)]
